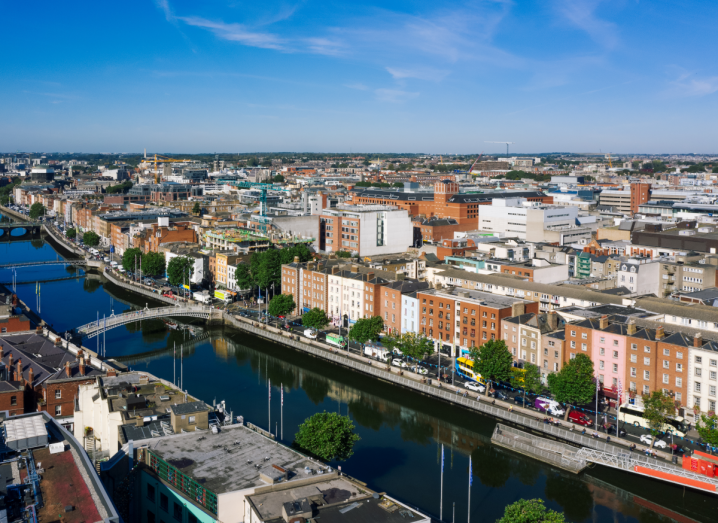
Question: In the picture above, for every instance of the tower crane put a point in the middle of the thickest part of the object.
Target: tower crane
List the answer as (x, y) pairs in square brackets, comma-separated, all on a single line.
[(158, 158), (507, 147), (477, 161)]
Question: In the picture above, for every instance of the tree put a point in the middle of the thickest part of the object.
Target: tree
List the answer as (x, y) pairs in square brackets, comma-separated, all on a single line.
[(530, 511), (91, 239), (366, 329), (243, 277), (574, 383), (131, 259), (657, 406), (493, 361), (411, 344), (180, 270), (281, 305), (71, 233), (196, 209), (343, 254), (529, 379), (397, 184), (715, 169), (153, 264), (315, 318), (279, 179), (707, 427), (36, 210), (328, 436)]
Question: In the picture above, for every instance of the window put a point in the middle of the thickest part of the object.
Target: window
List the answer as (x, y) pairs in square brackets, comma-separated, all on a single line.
[(699, 360), (679, 383), (666, 379), (615, 367), (584, 336), (177, 512), (603, 340), (573, 344), (646, 361), (573, 333), (646, 375), (58, 410), (615, 343), (58, 394), (151, 493), (679, 367), (634, 346), (600, 364), (666, 352), (646, 390), (584, 347), (150, 517), (192, 420), (191, 518), (13, 400), (647, 349), (164, 502), (712, 390), (634, 358), (697, 386), (602, 351), (698, 371)]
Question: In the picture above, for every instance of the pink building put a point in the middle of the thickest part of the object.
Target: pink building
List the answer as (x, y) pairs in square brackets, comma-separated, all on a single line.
[(609, 354)]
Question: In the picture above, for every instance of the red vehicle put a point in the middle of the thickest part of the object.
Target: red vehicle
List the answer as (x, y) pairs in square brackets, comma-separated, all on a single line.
[(580, 419)]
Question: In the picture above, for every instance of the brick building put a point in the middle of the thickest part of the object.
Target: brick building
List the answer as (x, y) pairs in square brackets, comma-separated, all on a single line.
[(150, 239)]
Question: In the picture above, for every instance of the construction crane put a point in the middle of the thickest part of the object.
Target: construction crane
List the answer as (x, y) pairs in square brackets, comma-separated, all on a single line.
[(507, 147), (158, 158), (477, 161), (605, 155)]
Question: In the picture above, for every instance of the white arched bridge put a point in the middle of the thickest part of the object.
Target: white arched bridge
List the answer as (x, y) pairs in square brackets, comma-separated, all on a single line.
[(78, 261), (96, 327)]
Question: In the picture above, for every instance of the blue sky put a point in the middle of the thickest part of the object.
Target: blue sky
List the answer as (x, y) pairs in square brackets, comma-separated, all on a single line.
[(394, 76)]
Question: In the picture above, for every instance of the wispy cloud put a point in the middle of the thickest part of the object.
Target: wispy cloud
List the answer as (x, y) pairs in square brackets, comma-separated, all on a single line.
[(238, 33), (420, 73), (394, 95), (690, 84), (357, 86), (582, 14), (325, 46)]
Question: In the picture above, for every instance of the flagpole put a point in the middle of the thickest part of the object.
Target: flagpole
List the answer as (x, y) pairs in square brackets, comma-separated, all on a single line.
[(441, 496), (174, 365), (281, 411), (269, 404), (468, 516)]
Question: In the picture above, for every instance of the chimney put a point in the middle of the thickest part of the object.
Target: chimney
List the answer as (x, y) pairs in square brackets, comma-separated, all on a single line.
[(67, 369), (631, 327), (355, 268), (296, 259), (660, 334), (603, 322), (369, 276), (80, 354), (9, 362), (336, 269), (19, 369), (518, 308), (2, 352), (111, 373), (58, 341), (30, 377), (698, 340), (552, 320), (82, 366)]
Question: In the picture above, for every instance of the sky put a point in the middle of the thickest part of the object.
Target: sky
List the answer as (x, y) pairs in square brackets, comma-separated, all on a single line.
[(620, 76)]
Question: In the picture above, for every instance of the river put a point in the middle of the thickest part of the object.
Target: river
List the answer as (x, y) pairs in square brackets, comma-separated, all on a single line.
[(401, 433)]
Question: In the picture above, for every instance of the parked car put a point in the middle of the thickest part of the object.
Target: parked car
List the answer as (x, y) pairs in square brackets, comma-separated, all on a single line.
[(397, 352), (579, 418), (106, 259), (399, 363), (544, 404), (523, 402), (311, 334), (659, 444), (475, 386), (499, 395), (420, 370)]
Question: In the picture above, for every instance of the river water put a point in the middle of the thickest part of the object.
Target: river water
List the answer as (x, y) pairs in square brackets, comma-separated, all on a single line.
[(402, 433)]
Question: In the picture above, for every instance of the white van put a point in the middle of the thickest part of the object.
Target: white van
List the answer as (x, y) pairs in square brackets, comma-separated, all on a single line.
[(377, 352), (201, 297)]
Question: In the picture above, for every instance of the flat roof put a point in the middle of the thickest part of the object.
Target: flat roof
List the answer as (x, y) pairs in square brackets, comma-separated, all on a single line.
[(229, 461)]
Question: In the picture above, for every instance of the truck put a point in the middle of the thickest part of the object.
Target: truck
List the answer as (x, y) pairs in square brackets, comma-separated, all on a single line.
[(224, 295), (379, 353), (336, 340), (201, 297), (549, 406)]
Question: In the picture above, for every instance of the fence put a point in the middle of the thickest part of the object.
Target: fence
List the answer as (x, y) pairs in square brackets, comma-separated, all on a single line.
[(559, 454)]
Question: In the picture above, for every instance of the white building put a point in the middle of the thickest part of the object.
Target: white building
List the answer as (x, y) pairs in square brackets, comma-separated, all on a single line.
[(523, 219), (410, 316), (702, 376), (640, 276)]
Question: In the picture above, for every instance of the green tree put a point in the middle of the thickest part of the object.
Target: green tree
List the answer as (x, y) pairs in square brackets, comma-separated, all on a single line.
[(707, 427), (315, 318), (411, 344), (574, 383), (657, 406), (153, 264), (366, 329), (279, 179), (243, 277), (343, 254), (180, 270), (397, 184), (71, 233), (281, 304), (529, 380), (131, 259), (91, 239), (530, 511), (328, 436), (492, 361), (36, 210), (715, 169), (196, 209)]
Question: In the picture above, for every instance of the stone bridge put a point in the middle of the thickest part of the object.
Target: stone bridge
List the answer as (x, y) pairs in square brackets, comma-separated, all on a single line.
[(94, 328)]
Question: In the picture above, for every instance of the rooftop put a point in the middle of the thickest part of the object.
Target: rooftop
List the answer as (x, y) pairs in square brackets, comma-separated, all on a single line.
[(229, 461)]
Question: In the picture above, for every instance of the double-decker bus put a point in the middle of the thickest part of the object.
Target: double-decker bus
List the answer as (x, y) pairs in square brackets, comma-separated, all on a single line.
[(465, 368), (634, 415)]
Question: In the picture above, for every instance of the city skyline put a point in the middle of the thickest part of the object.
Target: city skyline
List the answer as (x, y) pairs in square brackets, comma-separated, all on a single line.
[(167, 75)]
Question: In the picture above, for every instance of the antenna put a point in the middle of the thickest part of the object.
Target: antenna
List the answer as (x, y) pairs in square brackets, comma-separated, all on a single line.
[(507, 147)]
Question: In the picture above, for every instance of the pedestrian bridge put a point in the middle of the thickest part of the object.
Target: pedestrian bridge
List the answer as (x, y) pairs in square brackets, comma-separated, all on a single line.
[(36, 263), (94, 328)]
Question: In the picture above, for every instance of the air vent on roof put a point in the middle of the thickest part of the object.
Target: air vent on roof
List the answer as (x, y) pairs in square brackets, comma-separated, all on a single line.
[(687, 232), (705, 229)]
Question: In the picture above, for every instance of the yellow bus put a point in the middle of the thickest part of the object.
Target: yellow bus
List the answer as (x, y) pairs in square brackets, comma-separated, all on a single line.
[(465, 368)]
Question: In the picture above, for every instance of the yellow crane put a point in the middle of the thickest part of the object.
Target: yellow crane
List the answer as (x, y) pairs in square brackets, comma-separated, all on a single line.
[(158, 158)]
